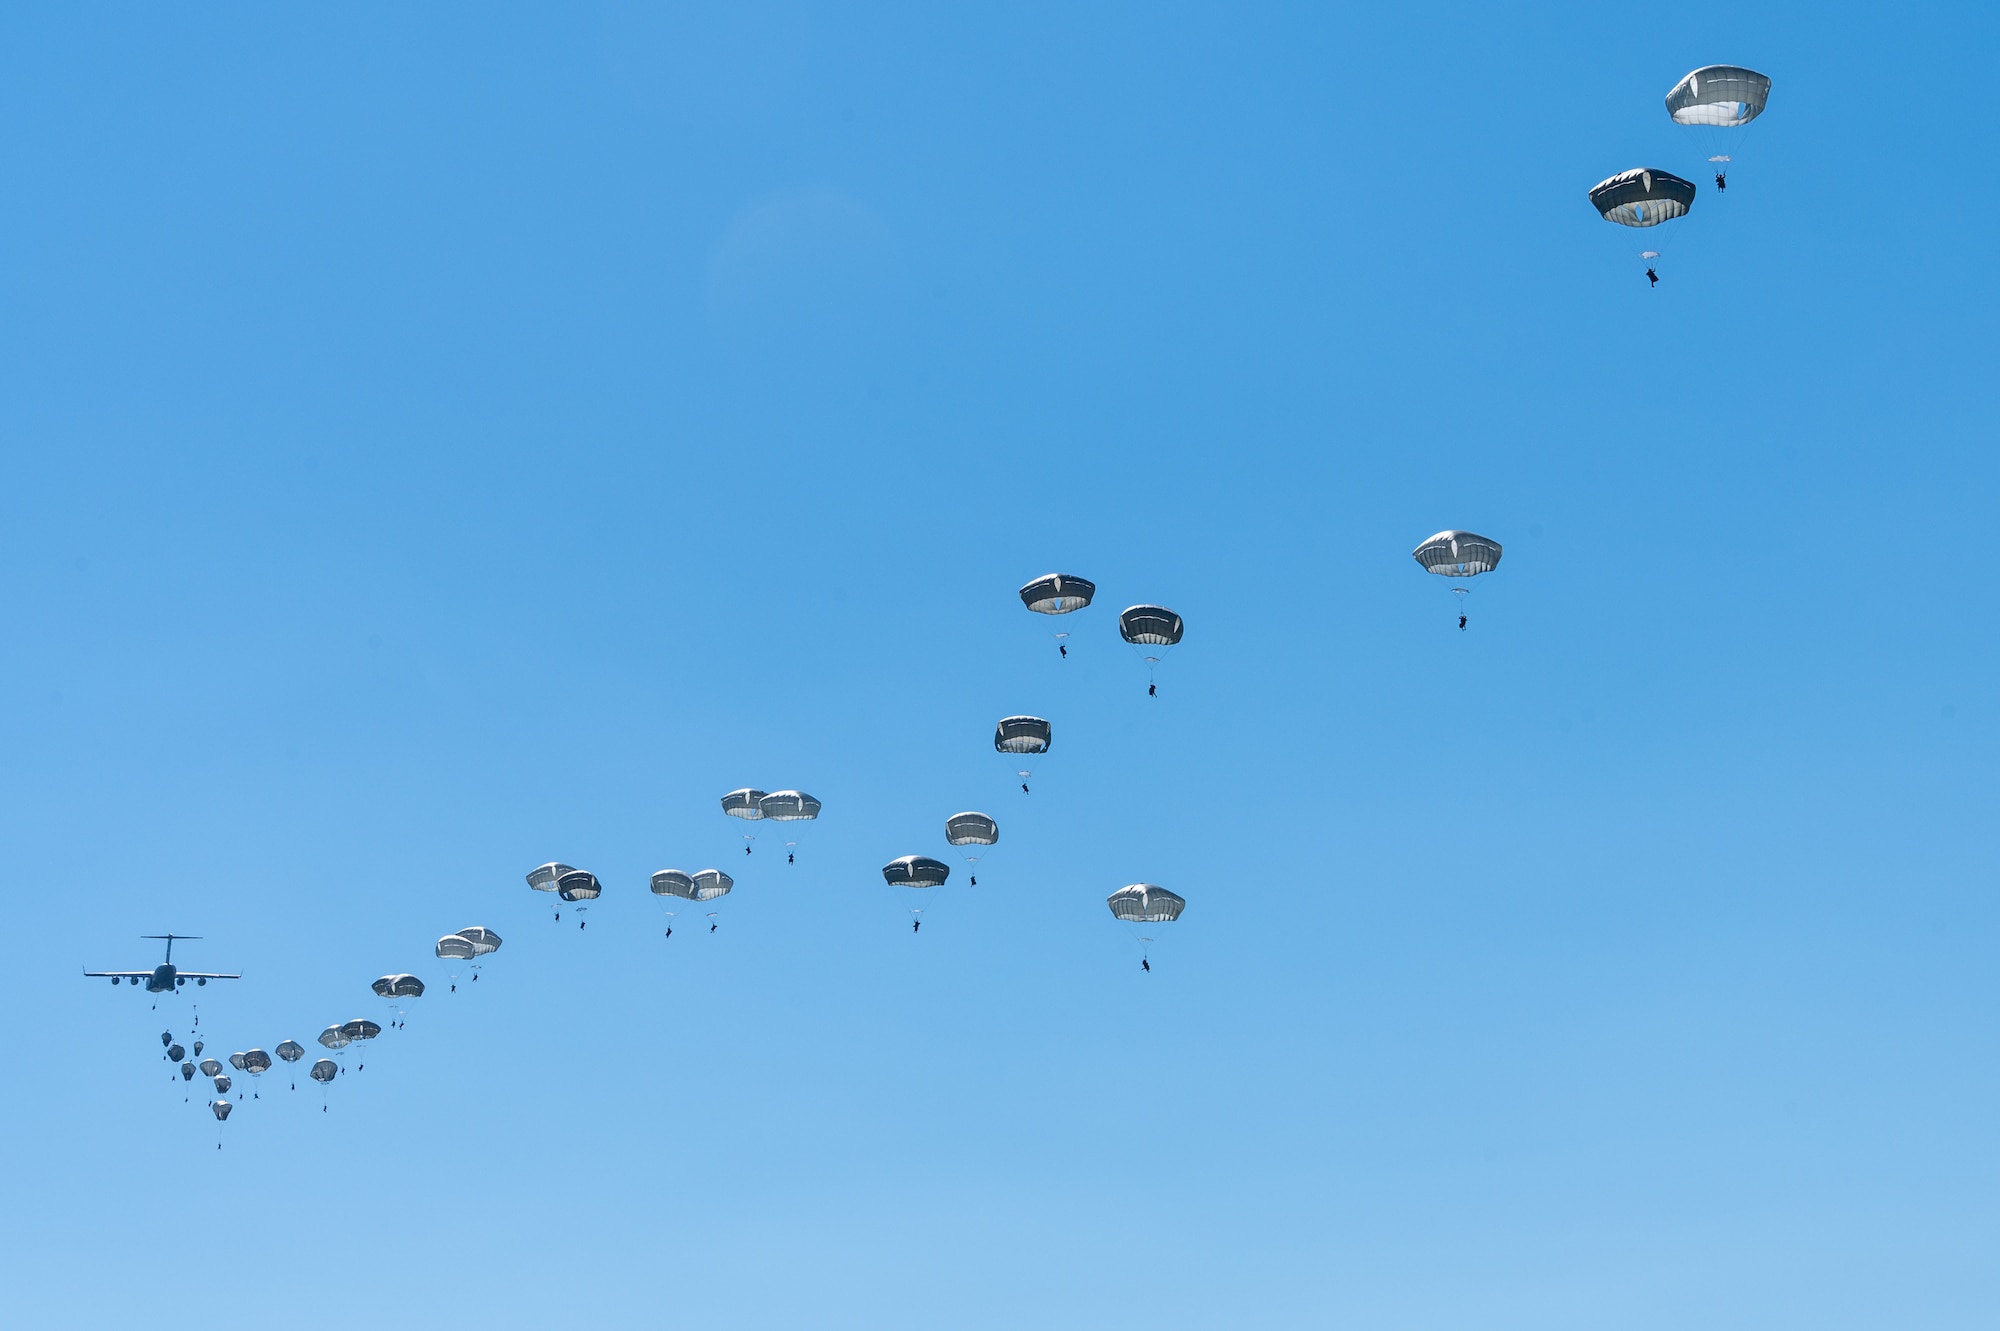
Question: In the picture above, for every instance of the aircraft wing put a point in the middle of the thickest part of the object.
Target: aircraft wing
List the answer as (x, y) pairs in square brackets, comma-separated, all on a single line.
[(205, 975), (116, 975)]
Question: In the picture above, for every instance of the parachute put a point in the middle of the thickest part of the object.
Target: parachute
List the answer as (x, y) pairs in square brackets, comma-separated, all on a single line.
[(399, 986), (333, 1037), (1022, 736), (483, 940), (187, 1072), (197, 1049), (236, 1061), (789, 806), (175, 1053), (360, 1029), (712, 883), (454, 947), (915, 871), (544, 879), (745, 803), (1058, 593), (221, 1107), (166, 1037), (1458, 554), (578, 885), (1141, 905), (971, 829), (1144, 903), (256, 1062), (1152, 629), (324, 1070), (222, 1083), (209, 1067), (1719, 102), (674, 883), (291, 1051), (1643, 197)]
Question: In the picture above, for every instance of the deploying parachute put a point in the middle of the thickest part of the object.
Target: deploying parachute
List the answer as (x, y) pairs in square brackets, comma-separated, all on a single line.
[(1719, 101), (915, 871), (1458, 554), (971, 829), (1153, 629), (1143, 904), (1643, 197), (1022, 736)]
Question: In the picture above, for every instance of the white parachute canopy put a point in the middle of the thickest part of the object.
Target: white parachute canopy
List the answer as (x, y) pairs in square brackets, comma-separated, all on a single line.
[(399, 986), (1058, 593), (1146, 903), (789, 806), (745, 803), (455, 947), (483, 940), (1724, 96), (971, 829), (1458, 554), (545, 877), (915, 871)]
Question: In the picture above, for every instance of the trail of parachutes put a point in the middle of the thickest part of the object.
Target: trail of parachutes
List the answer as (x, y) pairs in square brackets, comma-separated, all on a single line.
[(1718, 103), (1150, 629)]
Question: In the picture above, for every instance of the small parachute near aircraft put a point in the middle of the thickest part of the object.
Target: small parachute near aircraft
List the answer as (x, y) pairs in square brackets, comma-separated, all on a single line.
[(1719, 102), (971, 829), (1058, 594), (1458, 554), (1153, 630), (915, 871), (1018, 737), (1643, 197)]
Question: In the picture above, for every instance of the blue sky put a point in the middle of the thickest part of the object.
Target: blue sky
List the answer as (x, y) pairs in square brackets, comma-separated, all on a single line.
[(444, 438)]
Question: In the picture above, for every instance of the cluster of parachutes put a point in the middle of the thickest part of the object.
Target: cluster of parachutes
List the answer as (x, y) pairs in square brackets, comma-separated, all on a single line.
[(469, 945), (1717, 102)]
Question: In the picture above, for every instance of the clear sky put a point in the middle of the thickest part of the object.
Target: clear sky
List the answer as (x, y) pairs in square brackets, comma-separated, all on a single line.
[(442, 438)]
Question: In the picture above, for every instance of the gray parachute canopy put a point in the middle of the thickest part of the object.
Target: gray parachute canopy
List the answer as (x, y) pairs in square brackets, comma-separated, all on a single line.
[(1720, 95), (745, 803), (789, 806), (222, 1083), (187, 1072), (712, 883), (1058, 593), (333, 1037), (1022, 734), (1143, 903), (166, 1037), (197, 1048), (291, 1050), (221, 1107), (324, 1069), (544, 879), (483, 940), (971, 829), (209, 1067), (455, 947), (399, 986), (256, 1061), (915, 871), (673, 883), (175, 1053), (1458, 554), (578, 885), (1149, 626), (360, 1029), (236, 1061), (1644, 196)]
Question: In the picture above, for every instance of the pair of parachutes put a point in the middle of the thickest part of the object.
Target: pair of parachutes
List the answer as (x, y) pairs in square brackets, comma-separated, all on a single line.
[(1150, 628), (1719, 101)]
